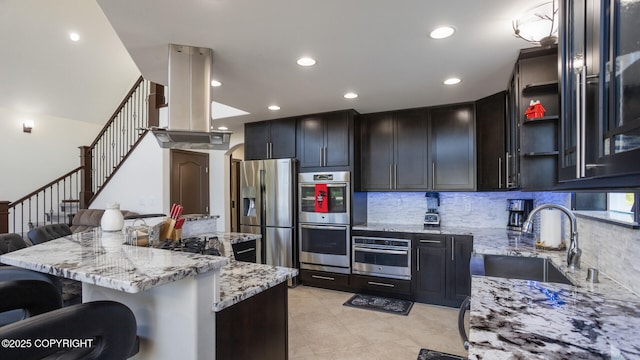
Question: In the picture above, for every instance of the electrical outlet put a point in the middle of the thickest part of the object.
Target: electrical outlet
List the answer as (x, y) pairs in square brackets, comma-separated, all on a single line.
[(467, 206)]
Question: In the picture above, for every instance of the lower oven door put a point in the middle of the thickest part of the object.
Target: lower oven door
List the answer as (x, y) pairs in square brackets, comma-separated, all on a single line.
[(383, 262), (325, 247)]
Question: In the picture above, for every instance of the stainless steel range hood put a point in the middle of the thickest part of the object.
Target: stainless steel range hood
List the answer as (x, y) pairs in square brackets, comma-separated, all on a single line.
[(189, 122)]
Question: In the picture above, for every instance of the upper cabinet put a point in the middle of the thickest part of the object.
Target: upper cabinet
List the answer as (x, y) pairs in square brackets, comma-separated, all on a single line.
[(275, 139), (419, 149), (600, 57), (453, 161), (394, 150), (491, 131), (535, 80), (325, 141)]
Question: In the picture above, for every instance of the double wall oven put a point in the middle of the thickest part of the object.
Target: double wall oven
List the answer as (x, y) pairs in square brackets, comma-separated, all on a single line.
[(324, 221)]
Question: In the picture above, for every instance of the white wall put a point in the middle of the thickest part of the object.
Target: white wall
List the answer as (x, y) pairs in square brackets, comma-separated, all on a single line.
[(138, 184), (142, 182), (31, 160)]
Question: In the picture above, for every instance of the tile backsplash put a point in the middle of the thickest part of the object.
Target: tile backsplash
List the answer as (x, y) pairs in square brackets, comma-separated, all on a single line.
[(468, 209), (613, 249)]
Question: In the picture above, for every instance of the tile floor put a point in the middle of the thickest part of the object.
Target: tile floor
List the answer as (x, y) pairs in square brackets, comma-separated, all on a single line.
[(320, 327)]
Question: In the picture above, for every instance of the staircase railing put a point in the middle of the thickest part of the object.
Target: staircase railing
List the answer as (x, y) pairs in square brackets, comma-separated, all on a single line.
[(53, 203), (116, 139), (58, 201)]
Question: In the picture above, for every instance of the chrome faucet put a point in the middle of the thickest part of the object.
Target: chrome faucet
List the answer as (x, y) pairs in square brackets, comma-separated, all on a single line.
[(574, 252)]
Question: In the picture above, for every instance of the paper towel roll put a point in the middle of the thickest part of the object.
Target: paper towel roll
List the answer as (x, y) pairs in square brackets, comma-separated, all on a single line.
[(551, 228)]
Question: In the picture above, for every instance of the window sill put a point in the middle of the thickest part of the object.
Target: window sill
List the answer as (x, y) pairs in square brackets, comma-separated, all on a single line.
[(609, 218)]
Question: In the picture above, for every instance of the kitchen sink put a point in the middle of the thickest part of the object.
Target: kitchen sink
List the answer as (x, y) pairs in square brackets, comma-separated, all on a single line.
[(517, 267)]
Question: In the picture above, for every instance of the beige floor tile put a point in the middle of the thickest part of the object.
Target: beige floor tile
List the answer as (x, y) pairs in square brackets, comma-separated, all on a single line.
[(320, 327)]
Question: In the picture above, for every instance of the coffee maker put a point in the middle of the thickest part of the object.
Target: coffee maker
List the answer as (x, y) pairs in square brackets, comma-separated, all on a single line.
[(431, 217), (519, 209)]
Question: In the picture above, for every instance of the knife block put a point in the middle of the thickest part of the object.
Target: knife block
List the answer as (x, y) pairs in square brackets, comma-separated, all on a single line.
[(167, 229), (176, 234)]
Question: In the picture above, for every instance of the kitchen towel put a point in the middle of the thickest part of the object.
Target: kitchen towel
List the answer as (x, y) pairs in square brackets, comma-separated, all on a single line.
[(550, 228), (322, 200)]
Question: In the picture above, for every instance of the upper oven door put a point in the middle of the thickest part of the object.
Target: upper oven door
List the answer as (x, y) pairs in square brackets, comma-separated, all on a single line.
[(324, 198)]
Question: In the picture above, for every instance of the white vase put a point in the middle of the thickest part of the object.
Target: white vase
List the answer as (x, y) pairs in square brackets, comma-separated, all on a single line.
[(112, 219)]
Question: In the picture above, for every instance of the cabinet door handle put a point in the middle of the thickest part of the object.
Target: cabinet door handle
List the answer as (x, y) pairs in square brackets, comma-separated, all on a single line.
[(395, 176), (324, 156), (506, 169), (433, 175), (323, 277), (270, 150), (245, 251), (418, 259), (268, 157), (499, 173), (430, 241), (583, 151), (321, 155), (390, 176), (453, 248), (380, 284)]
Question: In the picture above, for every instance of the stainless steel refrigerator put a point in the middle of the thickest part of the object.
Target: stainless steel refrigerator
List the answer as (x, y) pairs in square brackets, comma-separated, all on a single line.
[(267, 196)]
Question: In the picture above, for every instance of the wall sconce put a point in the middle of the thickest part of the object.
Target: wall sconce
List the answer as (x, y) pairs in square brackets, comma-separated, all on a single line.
[(27, 126), (538, 25)]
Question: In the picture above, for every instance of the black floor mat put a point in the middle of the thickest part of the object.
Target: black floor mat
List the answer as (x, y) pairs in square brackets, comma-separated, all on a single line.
[(377, 303), (426, 354)]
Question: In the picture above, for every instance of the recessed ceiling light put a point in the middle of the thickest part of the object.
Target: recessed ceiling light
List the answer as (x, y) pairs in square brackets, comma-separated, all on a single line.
[(223, 128), (274, 107), (350, 95), (74, 36), (215, 83), (452, 81), (306, 61), (442, 32)]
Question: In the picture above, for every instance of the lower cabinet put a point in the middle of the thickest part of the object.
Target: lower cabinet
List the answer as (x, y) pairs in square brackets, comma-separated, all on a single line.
[(441, 273), (255, 328), (381, 286), (325, 279), (245, 251)]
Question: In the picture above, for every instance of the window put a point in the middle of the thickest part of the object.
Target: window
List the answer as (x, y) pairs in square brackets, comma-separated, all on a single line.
[(617, 207)]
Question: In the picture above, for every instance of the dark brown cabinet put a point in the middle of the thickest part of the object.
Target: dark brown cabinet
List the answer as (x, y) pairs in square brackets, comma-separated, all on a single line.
[(245, 251), (491, 135), (380, 286), (537, 71), (453, 162), (395, 150), (459, 248), (441, 274), (274, 139), (600, 125), (326, 141), (419, 149), (255, 328), (430, 269)]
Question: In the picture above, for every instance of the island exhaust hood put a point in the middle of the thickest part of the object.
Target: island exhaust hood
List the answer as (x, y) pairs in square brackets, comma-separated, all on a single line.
[(189, 98)]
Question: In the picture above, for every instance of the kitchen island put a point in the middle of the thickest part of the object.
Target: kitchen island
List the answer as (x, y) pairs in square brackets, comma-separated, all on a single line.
[(174, 295), (520, 319)]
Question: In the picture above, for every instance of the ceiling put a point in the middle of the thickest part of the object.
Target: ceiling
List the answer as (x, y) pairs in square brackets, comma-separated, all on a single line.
[(42, 72), (379, 49)]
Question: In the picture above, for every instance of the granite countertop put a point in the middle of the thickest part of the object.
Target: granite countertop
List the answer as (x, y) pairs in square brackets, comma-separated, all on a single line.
[(520, 319), (241, 280), (100, 258)]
